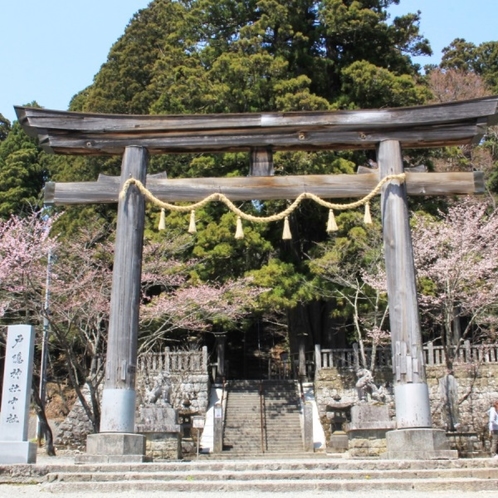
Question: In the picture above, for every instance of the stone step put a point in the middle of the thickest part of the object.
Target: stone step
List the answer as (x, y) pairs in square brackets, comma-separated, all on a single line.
[(246, 475), (314, 475), (242, 434), (272, 486), (214, 463)]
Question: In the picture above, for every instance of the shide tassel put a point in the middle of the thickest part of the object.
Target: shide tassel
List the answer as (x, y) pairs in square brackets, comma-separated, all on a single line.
[(367, 218), (192, 228), (162, 220), (286, 235), (331, 224), (239, 232)]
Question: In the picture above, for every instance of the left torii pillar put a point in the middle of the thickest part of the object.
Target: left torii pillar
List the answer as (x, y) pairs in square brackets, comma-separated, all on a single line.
[(117, 440)]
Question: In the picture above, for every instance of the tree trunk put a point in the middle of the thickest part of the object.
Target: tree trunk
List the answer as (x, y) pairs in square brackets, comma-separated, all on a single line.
[(42, 417)]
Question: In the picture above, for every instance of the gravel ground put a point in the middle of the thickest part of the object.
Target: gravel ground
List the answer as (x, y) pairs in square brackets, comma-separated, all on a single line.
[(29, 491)]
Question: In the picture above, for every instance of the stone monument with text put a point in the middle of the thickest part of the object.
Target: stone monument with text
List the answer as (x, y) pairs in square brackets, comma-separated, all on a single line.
[(16, 396)]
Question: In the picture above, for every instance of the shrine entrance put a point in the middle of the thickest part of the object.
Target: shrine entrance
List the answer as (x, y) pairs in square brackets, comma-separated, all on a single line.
[(387, 131)]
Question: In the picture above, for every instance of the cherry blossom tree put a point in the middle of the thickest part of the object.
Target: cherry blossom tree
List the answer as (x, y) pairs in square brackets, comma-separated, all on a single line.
[(457, 266), (24, 246), (198, 308), (79, 290), (174, 300)]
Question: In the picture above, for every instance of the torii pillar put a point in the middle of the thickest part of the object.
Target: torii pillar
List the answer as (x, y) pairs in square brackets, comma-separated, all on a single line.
[(414, 437), (117, 440)]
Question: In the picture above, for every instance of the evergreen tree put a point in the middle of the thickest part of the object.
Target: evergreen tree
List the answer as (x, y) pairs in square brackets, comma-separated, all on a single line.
[(233, 56), (23, 170), (5, 127)]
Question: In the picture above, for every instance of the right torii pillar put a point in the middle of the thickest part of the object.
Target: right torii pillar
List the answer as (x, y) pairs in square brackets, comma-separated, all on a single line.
[(414, 437)]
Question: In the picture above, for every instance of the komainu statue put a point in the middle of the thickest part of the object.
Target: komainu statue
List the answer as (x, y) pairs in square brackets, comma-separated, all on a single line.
[(365, 385)]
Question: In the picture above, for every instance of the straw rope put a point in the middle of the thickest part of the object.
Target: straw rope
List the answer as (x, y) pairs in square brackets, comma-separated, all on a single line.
[(258, 219)]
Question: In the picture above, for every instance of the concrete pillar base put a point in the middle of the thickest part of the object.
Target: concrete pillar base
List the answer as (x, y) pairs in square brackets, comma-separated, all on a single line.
[(109, 447), (17, 452), (418, 444)]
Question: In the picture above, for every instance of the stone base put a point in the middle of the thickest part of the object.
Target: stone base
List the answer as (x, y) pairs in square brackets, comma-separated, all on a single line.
[(366, 443), (339, 441), (110, 447), (164, 445), (418, 444), (17, 452), (368, 416)]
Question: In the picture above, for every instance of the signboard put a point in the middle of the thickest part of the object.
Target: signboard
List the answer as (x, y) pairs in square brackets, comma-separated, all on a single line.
[(198, 422)]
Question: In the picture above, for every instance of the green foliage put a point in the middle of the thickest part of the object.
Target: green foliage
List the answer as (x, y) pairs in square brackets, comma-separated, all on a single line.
[(5, 127), (283, 280), (23, 168), (368, 85)]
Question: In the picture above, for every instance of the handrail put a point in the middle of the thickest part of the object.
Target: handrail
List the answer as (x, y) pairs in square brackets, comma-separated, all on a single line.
[(261, 412), (301, 391)]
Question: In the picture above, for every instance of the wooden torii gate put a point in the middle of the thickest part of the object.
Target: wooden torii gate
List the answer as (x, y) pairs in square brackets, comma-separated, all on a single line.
[(387, 131)]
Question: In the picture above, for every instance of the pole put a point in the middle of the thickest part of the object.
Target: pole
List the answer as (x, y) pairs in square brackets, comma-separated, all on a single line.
[(118, 397), (44, 347), (410, 386)]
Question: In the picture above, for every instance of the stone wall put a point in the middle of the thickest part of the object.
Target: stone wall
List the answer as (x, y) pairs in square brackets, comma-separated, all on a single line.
[(72, 432), (477, 387), (188, 393)]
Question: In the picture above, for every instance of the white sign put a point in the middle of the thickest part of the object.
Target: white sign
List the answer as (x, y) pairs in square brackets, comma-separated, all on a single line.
[(198, 422)]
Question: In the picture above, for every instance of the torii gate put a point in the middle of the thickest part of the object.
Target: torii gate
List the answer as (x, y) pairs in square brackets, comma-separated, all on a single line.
[(386, 130)]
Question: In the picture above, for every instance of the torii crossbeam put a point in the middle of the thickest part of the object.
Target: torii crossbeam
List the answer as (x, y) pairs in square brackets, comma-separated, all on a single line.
[(387, 131)]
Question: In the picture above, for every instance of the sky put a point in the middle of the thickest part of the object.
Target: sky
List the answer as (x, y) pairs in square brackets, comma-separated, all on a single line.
[(52, 49)]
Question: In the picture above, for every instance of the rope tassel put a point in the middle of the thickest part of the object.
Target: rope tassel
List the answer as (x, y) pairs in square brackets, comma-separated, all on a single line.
[(331, 223), (286, 235), (192, 228), (239, 232), (162, 220), (367, 219)]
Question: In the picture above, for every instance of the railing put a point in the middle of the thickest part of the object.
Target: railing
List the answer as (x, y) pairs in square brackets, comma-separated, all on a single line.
[(350, 358), (433, 355), (286, 367), (174, 361), (467, 353)]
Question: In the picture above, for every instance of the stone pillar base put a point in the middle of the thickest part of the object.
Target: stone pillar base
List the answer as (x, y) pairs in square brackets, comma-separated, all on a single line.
[(114, 447), (17, 452), (418, 444)]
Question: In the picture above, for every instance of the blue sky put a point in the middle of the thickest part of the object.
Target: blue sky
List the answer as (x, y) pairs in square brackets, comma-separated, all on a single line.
[(52, 49)]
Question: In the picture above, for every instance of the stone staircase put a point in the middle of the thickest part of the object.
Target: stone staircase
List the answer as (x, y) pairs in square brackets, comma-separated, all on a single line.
[(262, 417), (242, 434), (323, 474), (282, 417)]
